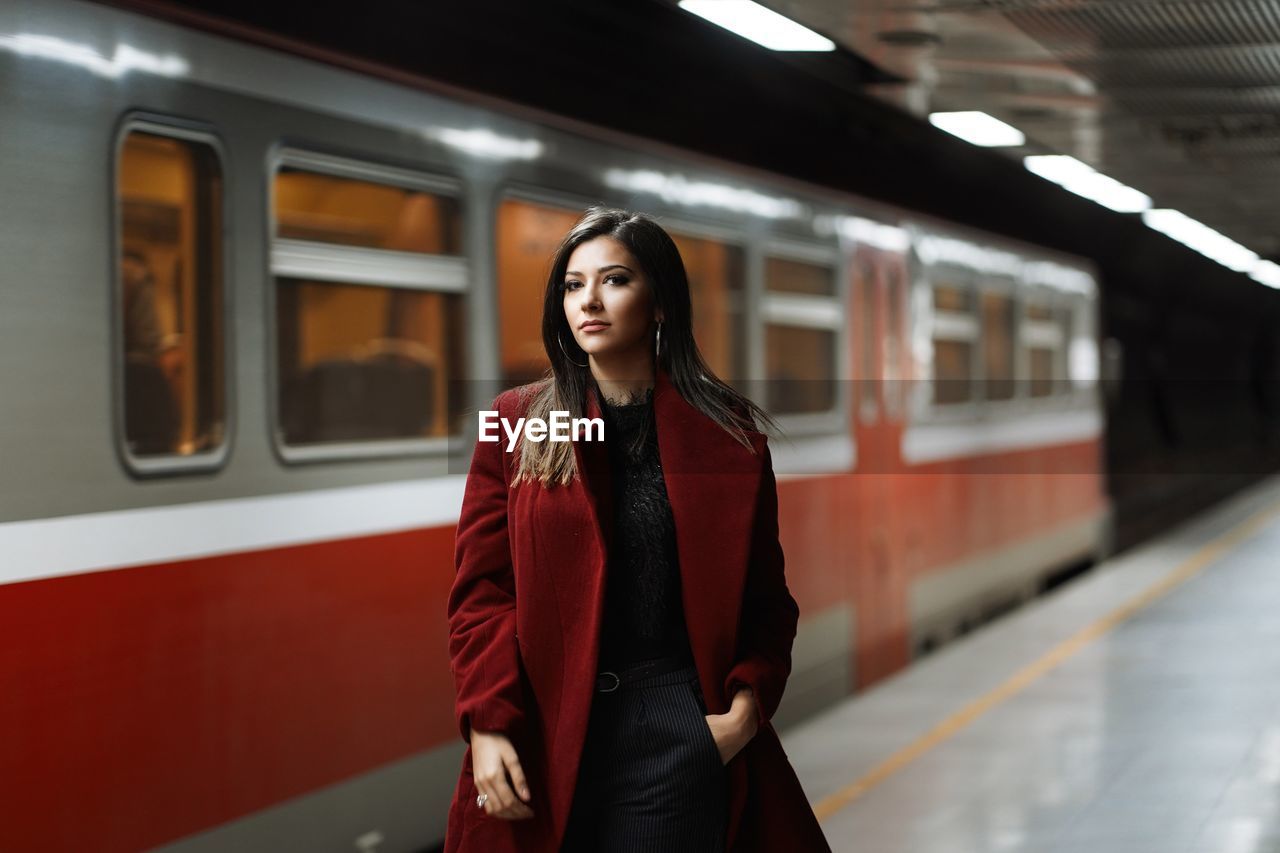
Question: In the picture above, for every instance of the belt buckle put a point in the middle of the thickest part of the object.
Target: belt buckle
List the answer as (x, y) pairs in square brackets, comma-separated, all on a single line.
[(617, 682)]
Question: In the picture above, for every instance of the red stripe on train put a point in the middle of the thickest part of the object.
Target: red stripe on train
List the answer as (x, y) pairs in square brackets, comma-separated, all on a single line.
[(147, 704)]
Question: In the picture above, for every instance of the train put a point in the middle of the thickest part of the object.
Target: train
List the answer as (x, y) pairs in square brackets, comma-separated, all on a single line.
[(259, 299)]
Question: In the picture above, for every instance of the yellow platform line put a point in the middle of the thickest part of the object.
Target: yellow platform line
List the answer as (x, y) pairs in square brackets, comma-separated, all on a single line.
[(1189, 568)]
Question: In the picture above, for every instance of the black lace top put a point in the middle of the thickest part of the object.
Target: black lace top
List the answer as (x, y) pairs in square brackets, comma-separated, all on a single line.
[(644, 616)]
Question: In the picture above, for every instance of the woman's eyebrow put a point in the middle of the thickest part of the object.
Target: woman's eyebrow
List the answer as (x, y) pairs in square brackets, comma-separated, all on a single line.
[(602, 269)]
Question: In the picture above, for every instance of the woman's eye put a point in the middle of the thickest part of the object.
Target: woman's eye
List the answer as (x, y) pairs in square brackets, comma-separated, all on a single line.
[(616, 278)]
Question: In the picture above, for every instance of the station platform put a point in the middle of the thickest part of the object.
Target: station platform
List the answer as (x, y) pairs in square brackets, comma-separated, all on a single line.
[(1134, 709)]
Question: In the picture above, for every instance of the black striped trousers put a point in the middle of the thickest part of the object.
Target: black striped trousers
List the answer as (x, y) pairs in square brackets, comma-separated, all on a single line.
[(651, 779)]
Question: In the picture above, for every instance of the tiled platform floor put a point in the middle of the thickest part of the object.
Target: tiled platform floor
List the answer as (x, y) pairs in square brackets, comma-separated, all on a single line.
[(1161, 734)]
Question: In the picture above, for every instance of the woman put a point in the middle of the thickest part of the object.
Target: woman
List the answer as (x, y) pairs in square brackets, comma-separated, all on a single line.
[(620, 625)]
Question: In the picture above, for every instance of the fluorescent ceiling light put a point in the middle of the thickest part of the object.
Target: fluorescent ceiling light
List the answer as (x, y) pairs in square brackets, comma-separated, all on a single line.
[(1266, 272), (978, 127), (1058, 168), (763, 26), (1202, 238), (1083, 180)]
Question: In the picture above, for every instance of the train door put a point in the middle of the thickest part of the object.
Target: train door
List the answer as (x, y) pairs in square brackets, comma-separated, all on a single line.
[(880, 406)]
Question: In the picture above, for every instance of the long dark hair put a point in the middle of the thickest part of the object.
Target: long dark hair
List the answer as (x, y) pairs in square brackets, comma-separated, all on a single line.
[(565, 385)]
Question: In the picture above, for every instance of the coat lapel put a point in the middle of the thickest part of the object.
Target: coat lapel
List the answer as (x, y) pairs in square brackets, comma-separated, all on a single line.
[(597, 482), (711, 482)]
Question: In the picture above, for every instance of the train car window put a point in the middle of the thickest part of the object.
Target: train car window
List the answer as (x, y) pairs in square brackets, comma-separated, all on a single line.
[(1041, 372), (363, 363), (798, 368), (955, 333), (997, 346), (169, 203), (332, 209), (951, 380), (791, 276), (528, 234), (800, 336), (368, 302), (716, 272), (527, 237), (948, 297), (1045, 333)]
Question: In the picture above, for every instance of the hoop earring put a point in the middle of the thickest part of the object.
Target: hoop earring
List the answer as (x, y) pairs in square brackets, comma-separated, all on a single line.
[(657, 343), (560, 341)]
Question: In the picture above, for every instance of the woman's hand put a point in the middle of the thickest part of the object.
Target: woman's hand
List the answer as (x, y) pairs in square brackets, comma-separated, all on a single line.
[(492, 758), (734, 730)]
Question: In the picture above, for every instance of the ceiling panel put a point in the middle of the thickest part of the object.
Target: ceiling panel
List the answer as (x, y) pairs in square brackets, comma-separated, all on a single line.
[(1178, 99)]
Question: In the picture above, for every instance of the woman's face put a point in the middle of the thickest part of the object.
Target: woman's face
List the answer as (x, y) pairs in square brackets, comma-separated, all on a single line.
[(604, 285)]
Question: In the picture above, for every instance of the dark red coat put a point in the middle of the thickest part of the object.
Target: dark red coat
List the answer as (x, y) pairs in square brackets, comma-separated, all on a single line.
[(526, 605)]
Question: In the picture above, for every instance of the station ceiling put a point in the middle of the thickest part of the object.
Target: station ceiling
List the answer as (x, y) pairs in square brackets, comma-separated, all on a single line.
[(1179, 99)]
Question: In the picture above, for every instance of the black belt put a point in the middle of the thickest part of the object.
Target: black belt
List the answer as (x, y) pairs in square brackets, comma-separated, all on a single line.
[(608, 681)]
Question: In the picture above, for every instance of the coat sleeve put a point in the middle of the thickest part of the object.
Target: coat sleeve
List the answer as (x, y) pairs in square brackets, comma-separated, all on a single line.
[(770, 614), (483, 653)]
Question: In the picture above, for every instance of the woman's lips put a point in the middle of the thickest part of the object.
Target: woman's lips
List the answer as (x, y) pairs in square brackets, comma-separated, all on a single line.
[(595, 327)]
